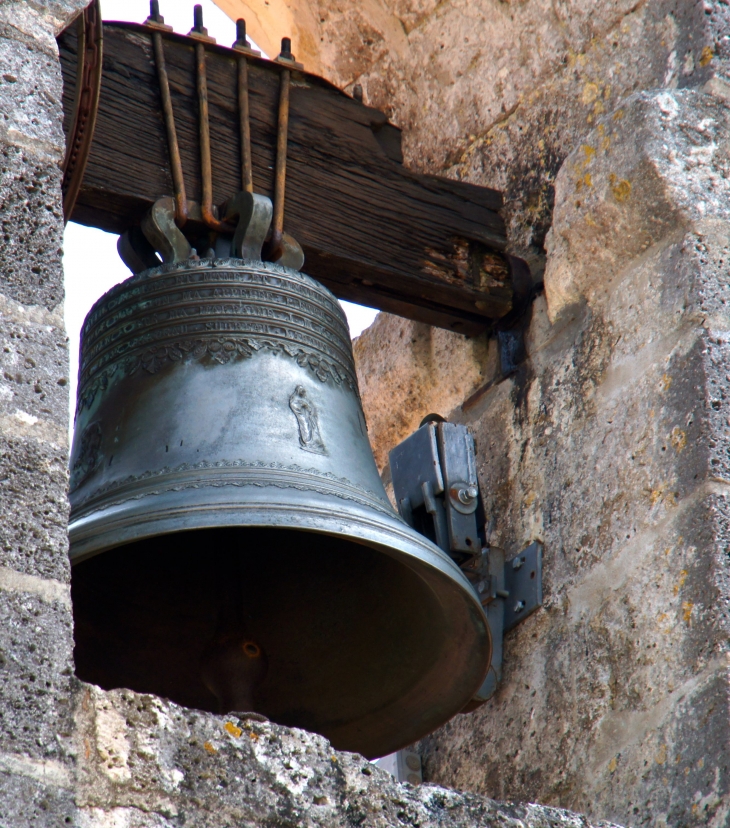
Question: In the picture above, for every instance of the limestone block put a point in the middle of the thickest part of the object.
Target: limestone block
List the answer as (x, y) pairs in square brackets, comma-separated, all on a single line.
[(611, 445), (36, 669), (658, 165), (33, 373), (31, 114), (407, 370), (146, 763), (38, 24), (26, 802), (33, 529), (31, 228), (606, 687)]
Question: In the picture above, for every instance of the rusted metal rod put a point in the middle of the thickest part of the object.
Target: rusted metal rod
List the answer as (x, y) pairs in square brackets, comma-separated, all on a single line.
[(243, 112), (206, 170), (178, 180), (277, 230)]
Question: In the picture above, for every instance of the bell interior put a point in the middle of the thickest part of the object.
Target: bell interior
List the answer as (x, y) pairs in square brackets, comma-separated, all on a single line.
[(346, 630)]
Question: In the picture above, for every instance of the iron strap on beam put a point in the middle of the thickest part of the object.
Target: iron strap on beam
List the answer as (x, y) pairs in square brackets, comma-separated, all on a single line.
[(372, 231)]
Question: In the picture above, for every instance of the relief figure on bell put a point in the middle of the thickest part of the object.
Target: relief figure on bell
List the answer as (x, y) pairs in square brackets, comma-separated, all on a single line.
[(309, 437)]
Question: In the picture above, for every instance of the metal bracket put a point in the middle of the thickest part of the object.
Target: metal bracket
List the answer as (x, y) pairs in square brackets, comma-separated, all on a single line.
[(437, 493)]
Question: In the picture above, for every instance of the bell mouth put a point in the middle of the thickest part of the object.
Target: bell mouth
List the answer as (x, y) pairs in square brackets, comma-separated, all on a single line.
[(365, 645)]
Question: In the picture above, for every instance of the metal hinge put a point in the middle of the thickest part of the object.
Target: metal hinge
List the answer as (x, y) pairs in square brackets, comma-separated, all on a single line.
[(437, 491)]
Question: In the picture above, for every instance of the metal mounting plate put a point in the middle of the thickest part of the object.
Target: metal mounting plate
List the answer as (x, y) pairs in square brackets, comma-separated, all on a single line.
[(523, 581)]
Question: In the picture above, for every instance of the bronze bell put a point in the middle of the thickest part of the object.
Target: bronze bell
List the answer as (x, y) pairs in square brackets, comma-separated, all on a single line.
[(233, 547)]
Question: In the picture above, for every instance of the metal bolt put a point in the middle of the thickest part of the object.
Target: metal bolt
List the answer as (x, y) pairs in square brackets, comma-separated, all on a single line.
[(198, 18), (481, 586), (241, 32), (519, 606), (286, 48), (466, 496), (155, 10), (413, 762), (517, 562)]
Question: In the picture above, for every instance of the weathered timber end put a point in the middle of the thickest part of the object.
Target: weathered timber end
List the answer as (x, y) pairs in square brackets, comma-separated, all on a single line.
[(374, 232)]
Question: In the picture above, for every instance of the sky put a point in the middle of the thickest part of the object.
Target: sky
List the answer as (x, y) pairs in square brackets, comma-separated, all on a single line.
[(90, 260)]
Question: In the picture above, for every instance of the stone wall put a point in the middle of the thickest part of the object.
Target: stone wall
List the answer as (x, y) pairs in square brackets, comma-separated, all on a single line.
[(36, 668), (609, 443), (71, 754)]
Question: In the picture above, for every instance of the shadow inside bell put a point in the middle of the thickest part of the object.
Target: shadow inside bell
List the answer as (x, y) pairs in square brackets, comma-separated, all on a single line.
[(346, 629)]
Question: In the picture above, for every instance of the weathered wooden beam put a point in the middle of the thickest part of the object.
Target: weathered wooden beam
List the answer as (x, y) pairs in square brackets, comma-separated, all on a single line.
[(374, 232)]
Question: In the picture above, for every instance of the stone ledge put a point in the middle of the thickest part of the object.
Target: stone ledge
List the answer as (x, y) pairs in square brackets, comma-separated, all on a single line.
[(148, 763)]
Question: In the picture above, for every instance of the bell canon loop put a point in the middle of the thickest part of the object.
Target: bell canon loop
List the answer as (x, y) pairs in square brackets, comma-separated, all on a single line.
[(233, 548)]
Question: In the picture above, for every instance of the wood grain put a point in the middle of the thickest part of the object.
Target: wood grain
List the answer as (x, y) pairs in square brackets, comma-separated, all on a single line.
[(374, 232)]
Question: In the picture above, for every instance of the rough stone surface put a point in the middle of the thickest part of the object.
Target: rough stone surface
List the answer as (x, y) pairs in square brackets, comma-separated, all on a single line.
[(35, 659), (426, 369), (152, 764), (33, 372), (498, 93), (31, 227), (610, 444), (33, 483), (36, 665)]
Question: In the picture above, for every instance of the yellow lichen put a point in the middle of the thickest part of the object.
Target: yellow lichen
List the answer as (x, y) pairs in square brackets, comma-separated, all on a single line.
[(612, 765), (621, 189), (590, 93), (210, 748), (661, 757), (682, 578), (706, 56), (232, 729), (678, 438), (687, 611)]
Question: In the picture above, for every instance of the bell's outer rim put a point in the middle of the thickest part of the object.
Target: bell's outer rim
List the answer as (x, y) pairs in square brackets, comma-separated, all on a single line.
[(230, 262), (386, 534), (167, 520)]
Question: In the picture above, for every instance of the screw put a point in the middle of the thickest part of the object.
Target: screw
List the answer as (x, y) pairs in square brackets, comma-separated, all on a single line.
[(517, 563), (286, 47), (241, 33), (519, 606)]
